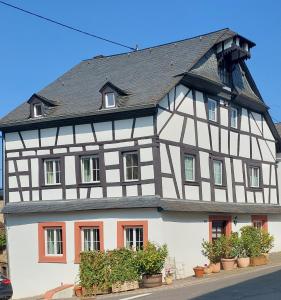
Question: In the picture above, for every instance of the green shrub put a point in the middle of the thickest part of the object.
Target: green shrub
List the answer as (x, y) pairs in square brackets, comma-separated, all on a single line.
[(151, 259), (123, 266), (267, 241), (229, 245), (212, 250), (2, 239)]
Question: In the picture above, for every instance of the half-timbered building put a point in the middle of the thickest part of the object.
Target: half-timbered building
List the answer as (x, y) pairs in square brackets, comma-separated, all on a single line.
[(172, 144)]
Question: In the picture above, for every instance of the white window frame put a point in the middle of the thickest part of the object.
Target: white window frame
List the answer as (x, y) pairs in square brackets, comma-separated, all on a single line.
[(92, 238), (35, 114), (212, 112), (134, 228), (54, 171), (125, 166), (235, 123), (193, 167), (91, 157), (221, 171), (252, 169), (106, 102), (55, 241)]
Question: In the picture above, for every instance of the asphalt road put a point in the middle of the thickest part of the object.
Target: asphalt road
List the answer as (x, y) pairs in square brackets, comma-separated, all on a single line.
[(259, 285)]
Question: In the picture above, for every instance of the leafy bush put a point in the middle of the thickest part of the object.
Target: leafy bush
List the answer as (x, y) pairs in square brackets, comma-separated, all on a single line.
[(229, 245), (2, 239), (267, 241), (123, 266), (212, 250), (151, 259)]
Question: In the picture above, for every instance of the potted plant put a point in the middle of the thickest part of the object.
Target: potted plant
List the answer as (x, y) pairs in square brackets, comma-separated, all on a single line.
[(150, 262), (243, 245), (212, 250), (207, 269), (198, 271), (168, 276), (229, 250), (267, 243)]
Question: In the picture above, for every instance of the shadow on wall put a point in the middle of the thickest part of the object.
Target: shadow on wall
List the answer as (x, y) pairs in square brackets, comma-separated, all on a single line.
[(259, 288)]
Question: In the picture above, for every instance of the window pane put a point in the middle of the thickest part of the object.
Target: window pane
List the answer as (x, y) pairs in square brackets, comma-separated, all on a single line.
[(234, 117), (129, 237), (57, 168), (86, 169), (50, 241), (131, 166), (87, 240), (254, 177), (96, 169), (139, 238), (218, 172), (212, 109), (189, 168), (59, 241), (37, 110), (109, 100), (49, 172)]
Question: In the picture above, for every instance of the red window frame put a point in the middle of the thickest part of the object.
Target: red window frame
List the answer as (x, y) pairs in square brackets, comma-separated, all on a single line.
[(228, 226), (43, 258), (77, 236), (262, 219)]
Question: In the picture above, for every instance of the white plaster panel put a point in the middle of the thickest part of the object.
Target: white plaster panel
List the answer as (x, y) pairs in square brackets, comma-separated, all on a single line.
[(13, 182), (191, 192), (229, 179), (148, 189), (114, 191), (30, 138), (24, 181), (255, 149), (272, 149), (266, 131), (111, 158), (34, 172), (22, 165), (176, 161), (60, 150), (220, 195), (28, 153), (147, 172), (168, 186), (244, 150), (146, 154), (250, 197), (71, 194), (14, 197), (103, 131), (13, 141), (273, 196), (112, 175), (204, 164), (206, 191), (259, 197), (70, 170), (25, 196), (203, 135), (265, 173), (215, 137), (238, 170), (11, 166), (13, 154), (273, 177), (118, 145), (181, 91), (65, 136), (224, 141), (51, 194), (224, 116), (240, 193), (165, 165), (75, 149), (143, 127), (84, 134), (255, 123), (189, 134), (162, 118), (96, 192), (92, 147), (200, 105), (131, 190), (123, 129), (83, 193), (265, 151), (48, 137), (187, 105), (43, 152), (266, 195), (244, 120), (169, 132), (35, 195), (246, 174), (145, 141)]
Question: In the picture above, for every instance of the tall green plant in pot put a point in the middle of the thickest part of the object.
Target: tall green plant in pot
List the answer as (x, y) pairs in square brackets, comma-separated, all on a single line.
[(243, 260), (213, 251), (229, 245), (150, 262)]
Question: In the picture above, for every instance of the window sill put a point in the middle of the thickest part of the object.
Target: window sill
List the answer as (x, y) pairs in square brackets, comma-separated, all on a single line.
[(255, 189), (213, 122), (131, 182), (223, 186), (192, 183), (51, 186), (89, 184)]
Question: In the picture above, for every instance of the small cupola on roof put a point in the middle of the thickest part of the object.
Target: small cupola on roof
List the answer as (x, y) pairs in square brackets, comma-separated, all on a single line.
[(39, 106), (111, 95)]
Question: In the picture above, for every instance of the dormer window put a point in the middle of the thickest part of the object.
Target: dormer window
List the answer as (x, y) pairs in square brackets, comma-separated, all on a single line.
[(37, 110), (109, 100)]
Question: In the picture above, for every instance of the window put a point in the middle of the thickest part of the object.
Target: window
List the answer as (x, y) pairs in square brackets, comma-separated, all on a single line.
[(233, 117), (254, 177), (260, 222), (37, 110), (212, 110), (51, 242), (134, 237), (90, 167), (52, 171), (88, 237), (217, 172), (131, 166), (189, 167), (132, 234), (219, 225), (109, 100)]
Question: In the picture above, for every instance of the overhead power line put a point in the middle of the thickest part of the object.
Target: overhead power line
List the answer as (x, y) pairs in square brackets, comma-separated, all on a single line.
[(67, 26)]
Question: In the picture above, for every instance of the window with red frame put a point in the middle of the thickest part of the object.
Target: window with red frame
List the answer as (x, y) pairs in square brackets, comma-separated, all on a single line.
[(260, 222)]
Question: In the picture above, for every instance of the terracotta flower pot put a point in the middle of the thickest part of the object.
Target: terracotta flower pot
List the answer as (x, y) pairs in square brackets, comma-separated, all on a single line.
[(259, 260), (208, 270), (150, 281), (243, 262), (78, 290), (216, 267), (228, 263), (199, 271)]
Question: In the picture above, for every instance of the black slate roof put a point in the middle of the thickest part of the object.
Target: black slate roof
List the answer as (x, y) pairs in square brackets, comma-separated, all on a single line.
[(146, 76)]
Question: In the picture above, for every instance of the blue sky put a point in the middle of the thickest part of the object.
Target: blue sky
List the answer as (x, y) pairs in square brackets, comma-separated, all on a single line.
[(33, 53)]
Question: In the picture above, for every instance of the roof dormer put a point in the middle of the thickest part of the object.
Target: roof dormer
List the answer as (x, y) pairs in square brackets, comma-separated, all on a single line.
[(111, 95), (39, 105)]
